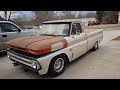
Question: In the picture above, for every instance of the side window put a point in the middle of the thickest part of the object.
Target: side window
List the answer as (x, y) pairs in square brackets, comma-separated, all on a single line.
[(6, 27), (76, 28)]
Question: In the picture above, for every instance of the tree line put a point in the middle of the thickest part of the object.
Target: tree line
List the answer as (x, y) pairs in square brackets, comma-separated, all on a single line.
[(105, 17), (41, 16)]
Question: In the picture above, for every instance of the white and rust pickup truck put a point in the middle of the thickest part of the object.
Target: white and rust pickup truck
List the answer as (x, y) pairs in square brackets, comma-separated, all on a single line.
[(59, 42)]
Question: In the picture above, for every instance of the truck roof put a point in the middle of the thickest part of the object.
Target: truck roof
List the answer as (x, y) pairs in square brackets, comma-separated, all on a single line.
[(5, 21), (65, 20), (10, 23)]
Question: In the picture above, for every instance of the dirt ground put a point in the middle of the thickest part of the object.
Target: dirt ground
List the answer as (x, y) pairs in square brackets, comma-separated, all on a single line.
[(101, 64)]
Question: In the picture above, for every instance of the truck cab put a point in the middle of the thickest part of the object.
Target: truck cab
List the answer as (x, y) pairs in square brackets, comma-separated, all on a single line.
[(78, 35)]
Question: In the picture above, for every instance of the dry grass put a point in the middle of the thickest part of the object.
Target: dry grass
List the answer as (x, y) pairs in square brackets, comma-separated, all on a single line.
[(102, 26)]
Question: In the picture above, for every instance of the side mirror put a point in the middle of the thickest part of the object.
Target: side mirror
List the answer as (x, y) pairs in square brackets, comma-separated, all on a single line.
[(19, 30)]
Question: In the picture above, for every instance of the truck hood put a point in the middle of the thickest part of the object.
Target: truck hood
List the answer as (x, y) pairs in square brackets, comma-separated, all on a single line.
[(38, 45)]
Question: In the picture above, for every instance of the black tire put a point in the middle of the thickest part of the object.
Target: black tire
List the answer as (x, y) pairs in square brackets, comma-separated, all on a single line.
[(52, 72), (95, 47)]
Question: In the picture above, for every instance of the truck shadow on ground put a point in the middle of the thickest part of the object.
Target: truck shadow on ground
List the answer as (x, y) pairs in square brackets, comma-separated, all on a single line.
[(33, 75), (30, 74), (46, 76), (82, 56), (74, 62)]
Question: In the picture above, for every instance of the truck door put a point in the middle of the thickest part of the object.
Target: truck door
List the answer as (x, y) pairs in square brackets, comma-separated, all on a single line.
[(9, 32), (1, 43), (79, 40)]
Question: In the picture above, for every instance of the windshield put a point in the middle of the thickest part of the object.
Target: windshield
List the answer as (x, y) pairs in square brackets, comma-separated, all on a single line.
[(55, 29)]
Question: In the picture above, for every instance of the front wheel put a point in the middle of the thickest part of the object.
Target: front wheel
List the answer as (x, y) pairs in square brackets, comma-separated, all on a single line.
[(57, 65)]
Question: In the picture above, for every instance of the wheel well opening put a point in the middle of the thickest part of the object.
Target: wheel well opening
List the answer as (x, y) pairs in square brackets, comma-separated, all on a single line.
[(96, 41), (63, 54)]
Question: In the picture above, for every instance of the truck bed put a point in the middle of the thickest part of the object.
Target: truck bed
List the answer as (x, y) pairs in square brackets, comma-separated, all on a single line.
[(91, 30)]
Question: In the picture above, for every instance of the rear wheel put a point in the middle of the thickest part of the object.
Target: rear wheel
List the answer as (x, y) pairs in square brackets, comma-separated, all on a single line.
[(57, 65), (95, 47)]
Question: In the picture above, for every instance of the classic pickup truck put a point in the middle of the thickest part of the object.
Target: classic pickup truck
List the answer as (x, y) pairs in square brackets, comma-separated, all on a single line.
[(9, 31), (59, 42)]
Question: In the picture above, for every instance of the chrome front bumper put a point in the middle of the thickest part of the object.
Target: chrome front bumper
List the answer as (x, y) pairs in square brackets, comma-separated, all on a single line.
[(43, 62), (15, 57)]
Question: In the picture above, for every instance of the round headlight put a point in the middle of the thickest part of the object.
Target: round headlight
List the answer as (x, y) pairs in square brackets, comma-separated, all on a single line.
[(34, 65), (8, 55)]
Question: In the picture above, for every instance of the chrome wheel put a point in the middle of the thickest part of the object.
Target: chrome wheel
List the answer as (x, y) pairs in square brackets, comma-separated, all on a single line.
[(59, 65)]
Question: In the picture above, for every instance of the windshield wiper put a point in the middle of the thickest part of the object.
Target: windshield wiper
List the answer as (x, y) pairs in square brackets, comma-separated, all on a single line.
[(52, 34), (49, 34)]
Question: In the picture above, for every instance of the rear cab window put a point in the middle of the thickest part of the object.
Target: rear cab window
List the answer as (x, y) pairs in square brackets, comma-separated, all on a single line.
[(76, 27)]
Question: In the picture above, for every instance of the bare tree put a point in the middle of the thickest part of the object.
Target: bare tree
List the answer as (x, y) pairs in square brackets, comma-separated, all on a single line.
[(107, 17), (86, 15), (20, 20), (5, 15), (110, 17), (41, 16), (2, 19), (90, 15), (79, 14), (9, 16), (67, 15)]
